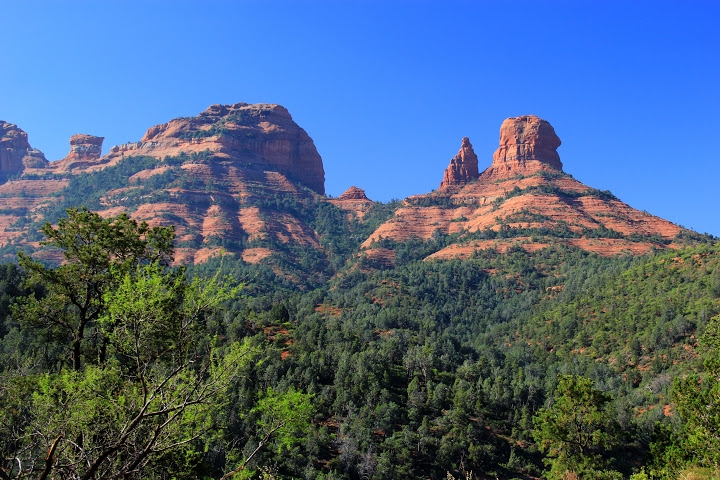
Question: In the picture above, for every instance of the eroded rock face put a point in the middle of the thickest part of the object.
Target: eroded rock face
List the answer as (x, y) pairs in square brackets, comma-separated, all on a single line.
[(353, 193), (259, 134), (16, 154), (527, 144), (85, 151), (86, 145), (228, 160), (463, 167)]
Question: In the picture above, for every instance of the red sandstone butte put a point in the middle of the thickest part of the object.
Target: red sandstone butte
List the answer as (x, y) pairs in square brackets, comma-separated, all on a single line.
[(527, 144), (516, 192), (354, 201), (85, 151), (260, 135)]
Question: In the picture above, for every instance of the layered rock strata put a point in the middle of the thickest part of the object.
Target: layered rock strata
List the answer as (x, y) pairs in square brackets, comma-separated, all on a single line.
[(263, 135), (353, 200), (353, 193), (85, 151), (229, 167)]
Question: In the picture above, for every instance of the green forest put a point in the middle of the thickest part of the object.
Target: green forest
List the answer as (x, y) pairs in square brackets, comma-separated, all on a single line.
[(557, 364)]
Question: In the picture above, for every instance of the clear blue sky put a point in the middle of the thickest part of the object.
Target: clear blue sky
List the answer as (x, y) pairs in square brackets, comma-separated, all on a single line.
[(388, 88)]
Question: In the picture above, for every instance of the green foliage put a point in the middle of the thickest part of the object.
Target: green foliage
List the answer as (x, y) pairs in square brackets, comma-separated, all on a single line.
[(416, 369), (285, 416), (577, 430), (147, 397), (86, 189), (697, 398), (97, 253), (283, 420)]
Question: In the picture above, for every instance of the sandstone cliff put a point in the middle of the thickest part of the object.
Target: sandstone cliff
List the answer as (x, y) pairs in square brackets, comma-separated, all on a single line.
[(85, 151), (16, 154), (237, 179), (228, 179), (528, 144), (354, 201), (261, 134)]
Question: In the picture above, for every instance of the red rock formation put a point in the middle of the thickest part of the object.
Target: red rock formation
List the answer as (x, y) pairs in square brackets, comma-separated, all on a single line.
[(16, 154), (354, 201), (353, 193), (85, 151), (527, 144), (511, 196), (463, 167), (86, 146), (262, 135)]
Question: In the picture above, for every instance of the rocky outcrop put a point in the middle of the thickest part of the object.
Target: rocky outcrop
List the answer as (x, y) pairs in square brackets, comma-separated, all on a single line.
[(16, 154), (354, 201), (86, 146), (261, 135), (229, 166), (525, 196), (234, 165), (463, 167), (85, 151), (353, 193), (528, 144)]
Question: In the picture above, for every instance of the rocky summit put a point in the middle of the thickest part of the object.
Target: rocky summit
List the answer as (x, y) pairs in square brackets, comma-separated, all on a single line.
[(261, 134), (354, 201), (522, 198), (216, 177), (246, 180), (528, 144), (85, 151), (16, 154)]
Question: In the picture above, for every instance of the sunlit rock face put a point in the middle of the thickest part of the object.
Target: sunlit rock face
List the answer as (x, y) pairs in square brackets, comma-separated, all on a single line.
[(526, 198), (85, 151), (463, 167), (257, 134), (527, 144)]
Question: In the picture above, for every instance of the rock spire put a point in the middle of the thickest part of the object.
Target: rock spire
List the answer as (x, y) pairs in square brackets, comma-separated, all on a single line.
[(463, 167)]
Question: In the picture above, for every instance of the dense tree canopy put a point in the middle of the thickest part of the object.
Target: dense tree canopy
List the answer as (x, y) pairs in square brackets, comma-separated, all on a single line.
[(341, 367)]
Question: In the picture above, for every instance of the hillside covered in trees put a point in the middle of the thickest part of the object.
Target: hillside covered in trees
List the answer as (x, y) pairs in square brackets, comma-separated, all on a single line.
[(514, 323), (555, 363)]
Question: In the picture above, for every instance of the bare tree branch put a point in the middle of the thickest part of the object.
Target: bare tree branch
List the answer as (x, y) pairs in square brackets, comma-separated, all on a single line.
[(49, 458)]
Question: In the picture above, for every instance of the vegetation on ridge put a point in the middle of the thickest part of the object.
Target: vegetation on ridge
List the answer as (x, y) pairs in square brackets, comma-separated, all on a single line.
[(502, 364), (334, 362)]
